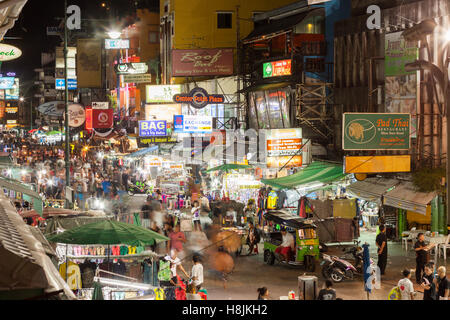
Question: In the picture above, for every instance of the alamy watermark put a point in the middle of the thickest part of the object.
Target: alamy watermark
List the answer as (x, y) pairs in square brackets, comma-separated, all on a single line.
[(374, 20)]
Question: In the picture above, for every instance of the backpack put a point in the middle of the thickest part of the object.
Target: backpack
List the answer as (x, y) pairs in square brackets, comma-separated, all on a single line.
[(395, 294)]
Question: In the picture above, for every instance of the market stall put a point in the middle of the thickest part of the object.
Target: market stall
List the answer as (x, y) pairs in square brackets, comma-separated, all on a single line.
[(113, 248)]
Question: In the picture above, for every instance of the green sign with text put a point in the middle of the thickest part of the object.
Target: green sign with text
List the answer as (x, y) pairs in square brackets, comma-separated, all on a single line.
[(376, 131)]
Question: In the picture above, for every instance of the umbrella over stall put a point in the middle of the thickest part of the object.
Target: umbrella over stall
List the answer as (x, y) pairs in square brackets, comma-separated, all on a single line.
[(109, 232)]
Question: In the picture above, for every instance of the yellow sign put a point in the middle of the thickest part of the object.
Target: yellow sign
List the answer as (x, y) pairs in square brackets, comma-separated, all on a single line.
[(278, 162), (377, 164)]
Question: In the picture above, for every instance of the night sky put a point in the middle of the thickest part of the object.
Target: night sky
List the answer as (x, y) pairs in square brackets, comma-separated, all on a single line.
[(37, 15)]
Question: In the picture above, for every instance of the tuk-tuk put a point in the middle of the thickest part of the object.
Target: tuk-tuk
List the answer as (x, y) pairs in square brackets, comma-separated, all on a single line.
[(306, 239)]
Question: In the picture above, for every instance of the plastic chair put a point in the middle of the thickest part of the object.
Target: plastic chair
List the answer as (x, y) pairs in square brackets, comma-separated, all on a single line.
[(405, 240), (444, 247)]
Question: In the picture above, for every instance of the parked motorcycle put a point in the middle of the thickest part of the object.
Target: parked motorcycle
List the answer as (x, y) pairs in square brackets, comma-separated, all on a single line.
[(338, 269)]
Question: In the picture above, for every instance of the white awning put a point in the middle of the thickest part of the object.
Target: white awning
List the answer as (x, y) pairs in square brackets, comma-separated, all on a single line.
[(24, 264), (371, 189), (405, 196)]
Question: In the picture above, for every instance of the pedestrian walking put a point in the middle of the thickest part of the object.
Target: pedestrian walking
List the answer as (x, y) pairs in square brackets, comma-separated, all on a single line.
[(381, 242), (328, 293), (263, 293), (196, 219), (405, 286), (197, 272), (421, 256)]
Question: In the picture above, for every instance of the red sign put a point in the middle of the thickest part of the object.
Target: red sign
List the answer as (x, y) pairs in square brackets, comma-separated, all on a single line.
[(88, 121), (202, 62), (102, 118), (277, 68)]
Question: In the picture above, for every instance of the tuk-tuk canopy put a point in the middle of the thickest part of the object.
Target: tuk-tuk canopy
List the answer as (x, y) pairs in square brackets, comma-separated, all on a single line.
[(286, 219)]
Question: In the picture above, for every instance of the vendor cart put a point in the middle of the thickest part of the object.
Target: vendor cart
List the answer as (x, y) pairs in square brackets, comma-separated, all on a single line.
[(234, 243), (306, 239)]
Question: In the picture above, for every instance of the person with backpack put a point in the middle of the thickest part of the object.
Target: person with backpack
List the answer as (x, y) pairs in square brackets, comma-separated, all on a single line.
[(405, 286), (253, 238)]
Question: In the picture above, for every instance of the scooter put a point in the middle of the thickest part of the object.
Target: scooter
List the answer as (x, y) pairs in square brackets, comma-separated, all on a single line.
[(338, 269)]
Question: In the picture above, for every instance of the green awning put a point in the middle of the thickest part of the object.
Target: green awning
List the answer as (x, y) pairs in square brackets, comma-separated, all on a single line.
[(28, 194), (318, 171)]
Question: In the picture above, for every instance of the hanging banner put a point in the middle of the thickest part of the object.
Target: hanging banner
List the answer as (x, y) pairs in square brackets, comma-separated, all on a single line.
[(202, 62), (376, 131), (102, 119), (88, 119), (377, 164), (89, 58), (401, 86), (137, 78)]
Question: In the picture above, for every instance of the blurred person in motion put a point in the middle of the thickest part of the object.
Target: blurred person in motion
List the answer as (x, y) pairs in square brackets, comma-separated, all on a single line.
[(263, 293)]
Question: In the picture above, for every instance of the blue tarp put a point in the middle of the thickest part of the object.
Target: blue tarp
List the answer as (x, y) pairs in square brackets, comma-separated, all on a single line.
[(143, 152)]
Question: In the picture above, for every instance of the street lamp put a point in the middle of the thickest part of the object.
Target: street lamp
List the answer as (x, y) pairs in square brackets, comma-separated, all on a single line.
[(114, 34)]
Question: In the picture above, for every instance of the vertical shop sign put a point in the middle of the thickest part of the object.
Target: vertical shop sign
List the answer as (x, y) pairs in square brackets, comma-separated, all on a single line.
[(89, 58), (401, 85)]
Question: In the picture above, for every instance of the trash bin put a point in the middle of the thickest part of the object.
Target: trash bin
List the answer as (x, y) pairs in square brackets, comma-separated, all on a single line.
[(307, 287)]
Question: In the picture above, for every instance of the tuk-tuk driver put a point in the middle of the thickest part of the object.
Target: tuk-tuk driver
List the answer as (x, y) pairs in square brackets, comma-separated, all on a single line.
[(287, 246)]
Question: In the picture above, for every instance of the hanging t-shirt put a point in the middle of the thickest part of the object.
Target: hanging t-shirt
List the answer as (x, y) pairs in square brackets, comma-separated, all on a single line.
[(159, 294), (164, 273), (272, 200), (281, 199), (73, 275)]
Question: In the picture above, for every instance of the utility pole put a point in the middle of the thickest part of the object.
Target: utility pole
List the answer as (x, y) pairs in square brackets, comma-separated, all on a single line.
[(66, 109), (238, 67)]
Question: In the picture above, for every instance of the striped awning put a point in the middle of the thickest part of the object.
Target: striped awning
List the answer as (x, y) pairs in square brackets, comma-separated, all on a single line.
[(318, 171)]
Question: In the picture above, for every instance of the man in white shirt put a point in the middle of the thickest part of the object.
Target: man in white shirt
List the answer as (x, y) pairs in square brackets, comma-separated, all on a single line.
[(287, 246), (197, 272), (406, 286)]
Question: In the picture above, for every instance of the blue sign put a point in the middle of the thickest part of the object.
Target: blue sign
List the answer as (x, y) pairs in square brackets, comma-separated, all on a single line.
[(6, 83), (178, 123), (60, 84), (153, 128)]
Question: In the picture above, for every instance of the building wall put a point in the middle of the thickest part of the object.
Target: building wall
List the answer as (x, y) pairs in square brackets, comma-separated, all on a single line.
[(195, 23)]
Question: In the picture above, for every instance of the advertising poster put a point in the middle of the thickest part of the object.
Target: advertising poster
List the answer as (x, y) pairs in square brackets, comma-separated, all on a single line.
[(277, 68), (89, 58), (376, 131), (14, 92), (162, 93), (162, 112), (282, 147), (400, 85), (202, 62), (193, 124)]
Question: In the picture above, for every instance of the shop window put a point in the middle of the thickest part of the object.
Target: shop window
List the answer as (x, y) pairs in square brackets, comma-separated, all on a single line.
[(153, 37), (224, 20), (271, 109), (313, 24), (308, 233)]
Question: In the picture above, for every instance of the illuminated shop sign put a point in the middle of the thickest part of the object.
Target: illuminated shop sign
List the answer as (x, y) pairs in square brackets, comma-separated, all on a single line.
[(152, 128), (199, 98), (277, 68), (117, 44), (131, 68)]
